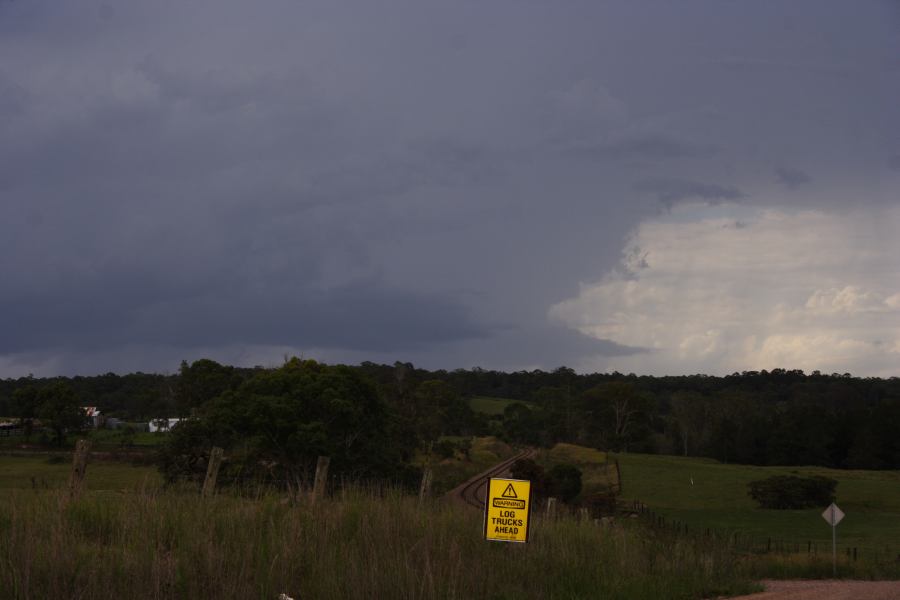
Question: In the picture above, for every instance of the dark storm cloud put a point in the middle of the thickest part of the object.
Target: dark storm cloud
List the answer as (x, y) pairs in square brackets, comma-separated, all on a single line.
[(671, 191), (649, 147), (792, 178), (355, 317), (401, 180)]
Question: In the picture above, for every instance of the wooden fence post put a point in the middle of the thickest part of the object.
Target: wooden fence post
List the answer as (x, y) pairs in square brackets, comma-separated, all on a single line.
[(79, 466), (321, 478), (425, 486), (212, 471)]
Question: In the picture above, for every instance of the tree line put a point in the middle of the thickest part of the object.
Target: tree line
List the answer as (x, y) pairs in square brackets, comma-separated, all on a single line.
[(778, 417)]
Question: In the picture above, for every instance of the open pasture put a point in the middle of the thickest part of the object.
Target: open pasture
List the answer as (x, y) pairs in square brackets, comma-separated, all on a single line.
[(704, 493)]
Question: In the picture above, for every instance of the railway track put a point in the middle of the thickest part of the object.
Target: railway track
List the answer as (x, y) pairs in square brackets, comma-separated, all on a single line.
[(472, 492)]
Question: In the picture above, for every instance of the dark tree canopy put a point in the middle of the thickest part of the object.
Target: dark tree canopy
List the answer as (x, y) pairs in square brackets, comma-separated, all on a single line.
[(58, 409), (276, 423), (755, 417)]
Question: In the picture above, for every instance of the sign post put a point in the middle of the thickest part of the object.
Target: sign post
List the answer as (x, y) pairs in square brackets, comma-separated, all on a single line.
[(833, 515), (507, 509)]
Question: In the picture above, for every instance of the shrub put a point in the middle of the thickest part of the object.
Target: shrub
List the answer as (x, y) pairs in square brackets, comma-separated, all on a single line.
[(445, 448), (527, 469), (564, 482), (791, 492)]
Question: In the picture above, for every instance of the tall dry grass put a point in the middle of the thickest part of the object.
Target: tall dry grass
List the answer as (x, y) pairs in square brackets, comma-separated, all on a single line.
[(359, 544)]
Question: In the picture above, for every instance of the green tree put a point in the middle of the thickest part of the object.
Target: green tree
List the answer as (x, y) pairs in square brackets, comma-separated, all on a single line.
[(25, 406), (564, 482), (691, 412), (528, 470), (521, 424), (616, 414), (58, 409), (200, 382), (437, 409), (278, 422)]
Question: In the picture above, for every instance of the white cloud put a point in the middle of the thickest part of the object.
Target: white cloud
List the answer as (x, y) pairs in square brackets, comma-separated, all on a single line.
[(723, 289)]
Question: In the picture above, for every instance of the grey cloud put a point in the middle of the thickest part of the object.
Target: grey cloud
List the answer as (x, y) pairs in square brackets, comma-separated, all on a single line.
[(13, 98), (541, 345), (791, 178), (894, 162), (647, 147), (548, 345), (671, 191), (355, 317), (392, 179)]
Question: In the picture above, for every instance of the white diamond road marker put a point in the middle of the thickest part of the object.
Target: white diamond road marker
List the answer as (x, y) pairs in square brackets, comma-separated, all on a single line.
[(833, 515)]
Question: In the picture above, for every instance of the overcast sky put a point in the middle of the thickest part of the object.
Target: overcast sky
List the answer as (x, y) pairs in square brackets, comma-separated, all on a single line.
[(653, 187)]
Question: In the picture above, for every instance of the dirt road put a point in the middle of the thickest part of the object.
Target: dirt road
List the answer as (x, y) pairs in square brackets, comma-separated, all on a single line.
[(827, 590)]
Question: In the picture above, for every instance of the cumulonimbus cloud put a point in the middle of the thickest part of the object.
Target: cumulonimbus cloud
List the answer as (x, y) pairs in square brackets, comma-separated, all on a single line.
[(721, 289)]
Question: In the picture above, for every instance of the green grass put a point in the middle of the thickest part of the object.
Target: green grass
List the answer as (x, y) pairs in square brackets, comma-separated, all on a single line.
[(596, 474), (718, 499), (52, 472), (494, 406), (380, 545)]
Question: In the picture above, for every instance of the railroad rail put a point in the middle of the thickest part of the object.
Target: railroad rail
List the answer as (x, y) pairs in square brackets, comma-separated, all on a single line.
[(472, 492)]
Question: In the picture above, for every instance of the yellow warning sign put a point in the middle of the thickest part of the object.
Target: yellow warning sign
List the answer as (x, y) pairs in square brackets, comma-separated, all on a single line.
[(506, 510)]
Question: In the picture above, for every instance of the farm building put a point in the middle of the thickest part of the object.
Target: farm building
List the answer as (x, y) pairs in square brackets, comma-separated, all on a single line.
[(93, 417), (162, 424)]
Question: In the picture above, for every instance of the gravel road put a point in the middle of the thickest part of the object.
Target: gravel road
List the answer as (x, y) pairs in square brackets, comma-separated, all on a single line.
[(827, 590)]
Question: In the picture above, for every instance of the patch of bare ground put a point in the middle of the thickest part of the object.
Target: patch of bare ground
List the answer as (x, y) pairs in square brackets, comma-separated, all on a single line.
[(827, 590)]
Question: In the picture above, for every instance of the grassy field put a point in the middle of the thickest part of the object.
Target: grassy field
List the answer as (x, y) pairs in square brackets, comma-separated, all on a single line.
[(127, 537), (597, 475), (358, 544), (718, 499), (493, 406), (52, 472)]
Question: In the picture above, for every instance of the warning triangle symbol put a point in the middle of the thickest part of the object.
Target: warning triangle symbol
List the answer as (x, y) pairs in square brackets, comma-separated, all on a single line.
[(509, 492)]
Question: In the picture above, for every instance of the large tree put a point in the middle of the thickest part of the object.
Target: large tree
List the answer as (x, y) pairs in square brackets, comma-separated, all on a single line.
[(617, 414), (691, 413), (58, 409), (200, 382), (275, 425)]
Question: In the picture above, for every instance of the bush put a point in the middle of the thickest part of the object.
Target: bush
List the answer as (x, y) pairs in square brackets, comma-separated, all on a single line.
[(445, 449), (792, 492), (527, 469), (564, 482)]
